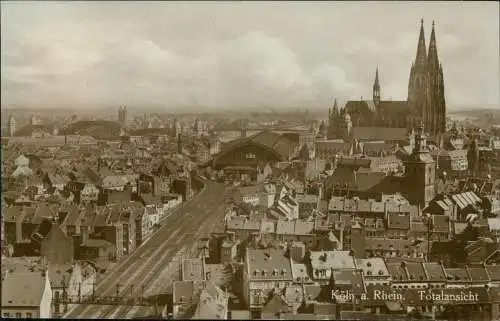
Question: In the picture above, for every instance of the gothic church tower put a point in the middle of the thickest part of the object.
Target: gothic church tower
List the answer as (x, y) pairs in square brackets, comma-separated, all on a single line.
[(426, 86), (333, 122), (436, 101)]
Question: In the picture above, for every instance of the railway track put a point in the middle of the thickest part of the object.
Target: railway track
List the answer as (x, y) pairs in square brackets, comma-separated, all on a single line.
[(140, 270)]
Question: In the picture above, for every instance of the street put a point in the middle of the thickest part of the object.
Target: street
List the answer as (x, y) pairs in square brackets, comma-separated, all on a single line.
[(139, 272)]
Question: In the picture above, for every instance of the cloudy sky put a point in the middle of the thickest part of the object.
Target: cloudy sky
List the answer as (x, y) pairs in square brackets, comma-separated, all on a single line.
[(239, 55)]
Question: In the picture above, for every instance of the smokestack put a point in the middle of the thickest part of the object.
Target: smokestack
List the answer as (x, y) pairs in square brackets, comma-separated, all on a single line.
[(179, 144), (98, 165)]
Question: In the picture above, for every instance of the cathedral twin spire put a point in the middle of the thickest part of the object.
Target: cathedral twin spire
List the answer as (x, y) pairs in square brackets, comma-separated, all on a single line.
[(432, 58), (426, 86), (421, 57)]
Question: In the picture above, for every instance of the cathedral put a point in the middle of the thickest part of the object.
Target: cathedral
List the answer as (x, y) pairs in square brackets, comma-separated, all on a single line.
[(425, 100)]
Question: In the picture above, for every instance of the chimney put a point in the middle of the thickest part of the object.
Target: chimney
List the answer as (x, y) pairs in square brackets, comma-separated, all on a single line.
[(98, 165)]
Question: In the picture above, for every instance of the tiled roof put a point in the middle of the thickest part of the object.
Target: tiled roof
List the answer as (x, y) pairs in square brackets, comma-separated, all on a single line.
[(397, 271), (441, 223), (293, 294), (294, 227), (351, 279), (269, 264), (236, 222), (276, 305), (327, 260), (213, 303), (23, 289), (374, 266), (192, 269), (267, 226), (274, 141), (493, 272), (379, 133), (12, 213), (308, 198), (416, 271), (299, 271), (353, 162), (251, 190), (313, 292), (398, 221), (393, 107), (434, 271), (377, 147), (183, 292), (355, 106), (457, 275), (400, 245), (478, 274)]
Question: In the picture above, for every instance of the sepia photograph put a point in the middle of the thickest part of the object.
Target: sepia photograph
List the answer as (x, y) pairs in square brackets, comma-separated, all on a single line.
[(246, 160)]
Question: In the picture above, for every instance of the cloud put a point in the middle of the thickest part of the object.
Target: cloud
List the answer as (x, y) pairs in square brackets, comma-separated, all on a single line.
[(146, 54), (250, 70)]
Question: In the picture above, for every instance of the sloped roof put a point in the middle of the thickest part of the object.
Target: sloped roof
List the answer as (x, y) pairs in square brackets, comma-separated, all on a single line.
[(213, 303), (192, 270), (379, 133), (393, 107), (282, 146), (268, 264), (23, 289), (357, 104)]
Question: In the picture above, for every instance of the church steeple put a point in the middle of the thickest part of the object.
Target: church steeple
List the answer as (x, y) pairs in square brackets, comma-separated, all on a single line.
[(376, 89), (420, 139), (433, 59), (333, 121), (335, 109), (421, 58)]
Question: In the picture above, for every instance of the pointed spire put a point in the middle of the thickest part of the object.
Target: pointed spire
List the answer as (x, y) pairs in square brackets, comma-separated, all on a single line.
[(376, 89), (433, 54), (335, 108), (420, 59)]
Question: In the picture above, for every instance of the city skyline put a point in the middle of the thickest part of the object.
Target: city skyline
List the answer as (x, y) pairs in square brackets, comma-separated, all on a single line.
[(240, 54)]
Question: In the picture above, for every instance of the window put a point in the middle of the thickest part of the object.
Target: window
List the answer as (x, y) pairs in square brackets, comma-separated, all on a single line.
[(250, 156), (29, 315)]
